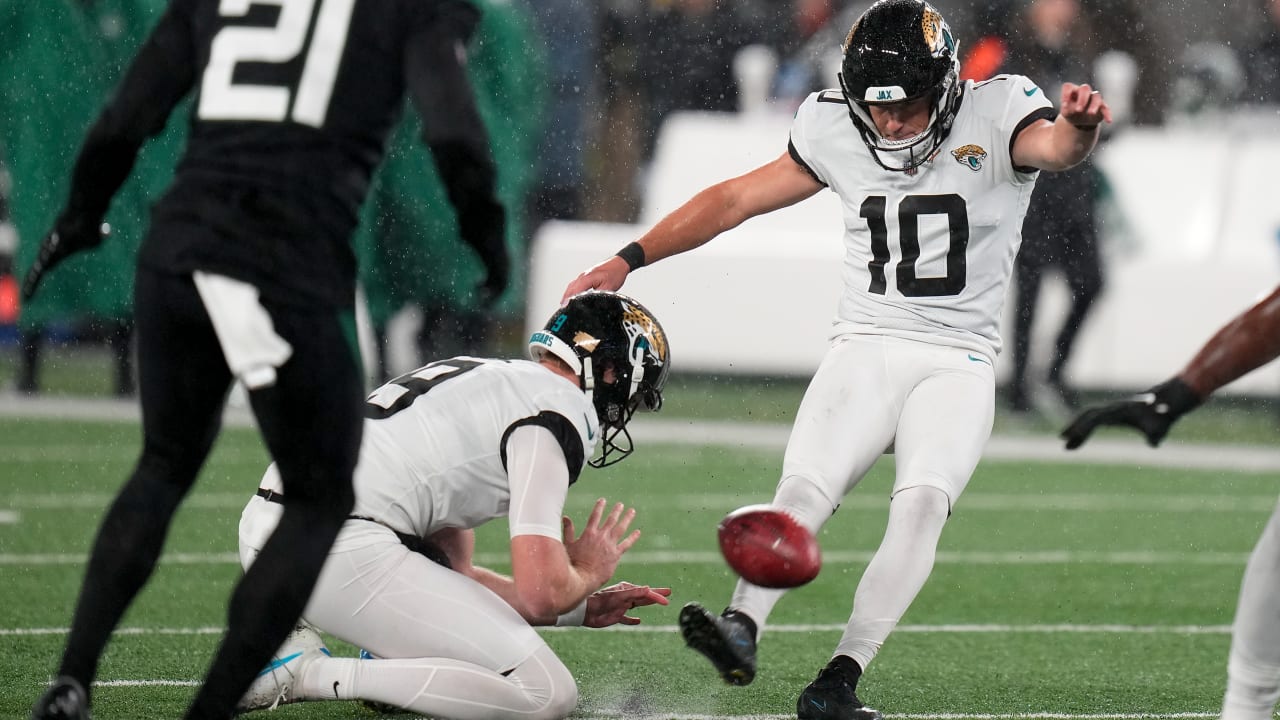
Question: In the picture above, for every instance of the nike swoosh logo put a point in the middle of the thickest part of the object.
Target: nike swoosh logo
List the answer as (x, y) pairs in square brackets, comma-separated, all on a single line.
[(1030, 92), (335, 690), (279, 662), (590, 434), (975, 358)]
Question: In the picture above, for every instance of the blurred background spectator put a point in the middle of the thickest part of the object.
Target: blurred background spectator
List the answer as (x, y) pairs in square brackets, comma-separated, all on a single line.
[(1261, 58), (1042, 41), (570, 31)]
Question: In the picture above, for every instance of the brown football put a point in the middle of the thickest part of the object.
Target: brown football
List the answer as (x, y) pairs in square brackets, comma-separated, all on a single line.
[(767, 547)]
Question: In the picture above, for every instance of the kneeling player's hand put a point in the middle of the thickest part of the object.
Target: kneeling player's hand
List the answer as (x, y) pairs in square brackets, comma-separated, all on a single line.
[(595, 553), (66, 239), (1151, 412), (610, 605)]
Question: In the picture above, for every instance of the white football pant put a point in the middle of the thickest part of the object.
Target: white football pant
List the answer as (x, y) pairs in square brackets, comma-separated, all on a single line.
[(1253, 671), (447, 647), (934, 406)]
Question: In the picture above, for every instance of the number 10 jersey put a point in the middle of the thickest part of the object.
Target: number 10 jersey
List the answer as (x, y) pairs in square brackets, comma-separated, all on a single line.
[(928, 254)]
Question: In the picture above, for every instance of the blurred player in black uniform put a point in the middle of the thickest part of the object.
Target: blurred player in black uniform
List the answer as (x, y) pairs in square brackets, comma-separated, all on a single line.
[(247, 273)]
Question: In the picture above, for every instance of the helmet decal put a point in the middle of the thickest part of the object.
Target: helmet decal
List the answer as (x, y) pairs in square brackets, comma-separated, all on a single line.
[(936, 35), (640, 322), (585, 341)]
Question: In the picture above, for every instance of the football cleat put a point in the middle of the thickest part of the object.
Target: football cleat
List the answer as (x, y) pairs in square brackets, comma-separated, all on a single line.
[(64, 700), (831, 695), (278, 683), (728, 641)]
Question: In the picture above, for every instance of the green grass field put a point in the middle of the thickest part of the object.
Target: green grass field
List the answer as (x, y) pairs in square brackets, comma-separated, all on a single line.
[(1061, 590)]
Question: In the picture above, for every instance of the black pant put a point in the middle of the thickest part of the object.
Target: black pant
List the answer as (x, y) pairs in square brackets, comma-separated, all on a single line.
[(311, 422), (1073, 247)]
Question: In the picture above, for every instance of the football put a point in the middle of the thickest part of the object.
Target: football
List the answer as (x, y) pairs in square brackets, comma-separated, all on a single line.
[(767, 547)]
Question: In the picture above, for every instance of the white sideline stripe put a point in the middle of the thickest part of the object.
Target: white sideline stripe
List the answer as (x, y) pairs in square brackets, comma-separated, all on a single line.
[(930, 716), (987, 629), (8, 517), (147, 683), (758, 436), (1057, 502), (712, 557)]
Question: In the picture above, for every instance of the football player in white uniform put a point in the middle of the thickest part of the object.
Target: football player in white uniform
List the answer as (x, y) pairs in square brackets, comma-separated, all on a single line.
[(934, 176), (1249, 341), (449, 447)]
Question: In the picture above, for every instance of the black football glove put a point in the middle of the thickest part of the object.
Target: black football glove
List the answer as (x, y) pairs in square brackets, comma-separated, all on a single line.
[(1151, 412), (495, 283), (65, 240)]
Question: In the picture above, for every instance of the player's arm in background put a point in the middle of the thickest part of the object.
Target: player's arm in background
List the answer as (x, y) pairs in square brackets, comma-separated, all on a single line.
[(1069, 139), (554, 572), (1248, 342), (436, 75), (722, 206), (161, 74)]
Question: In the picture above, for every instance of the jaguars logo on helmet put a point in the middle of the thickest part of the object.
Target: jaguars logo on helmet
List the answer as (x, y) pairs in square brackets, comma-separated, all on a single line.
[(621, 357), (897, 51)]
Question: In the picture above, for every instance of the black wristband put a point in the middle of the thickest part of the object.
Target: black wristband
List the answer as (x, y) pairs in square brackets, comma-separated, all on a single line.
[(1175, 398), (1084, 128), (632, 255)]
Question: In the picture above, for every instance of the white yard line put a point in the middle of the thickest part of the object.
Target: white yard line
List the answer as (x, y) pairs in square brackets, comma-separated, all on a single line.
[(766, 436), (983, 629)]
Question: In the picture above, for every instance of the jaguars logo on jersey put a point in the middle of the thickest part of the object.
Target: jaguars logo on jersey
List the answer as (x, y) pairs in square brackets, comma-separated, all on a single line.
[(971, 156)]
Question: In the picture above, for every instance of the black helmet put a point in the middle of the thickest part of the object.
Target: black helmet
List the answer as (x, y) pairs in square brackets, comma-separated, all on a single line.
[(600, 331), (901, 50)]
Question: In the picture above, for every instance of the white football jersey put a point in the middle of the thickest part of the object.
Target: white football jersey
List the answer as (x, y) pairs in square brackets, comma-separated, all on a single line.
[(435, 440), (928, 255)]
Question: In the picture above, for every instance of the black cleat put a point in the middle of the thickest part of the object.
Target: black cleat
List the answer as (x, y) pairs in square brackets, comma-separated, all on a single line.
[(64, 700), (728, 641), (831, 695)]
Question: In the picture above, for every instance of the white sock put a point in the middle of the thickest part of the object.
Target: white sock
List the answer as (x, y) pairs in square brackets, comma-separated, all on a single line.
[(803, 500), (1253, 671), (541, 688), (896, 572)]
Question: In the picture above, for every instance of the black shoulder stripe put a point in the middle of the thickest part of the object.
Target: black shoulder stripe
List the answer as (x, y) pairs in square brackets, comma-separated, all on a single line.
[(565, 433), (1045, 113), (795, 155), (832, 96)]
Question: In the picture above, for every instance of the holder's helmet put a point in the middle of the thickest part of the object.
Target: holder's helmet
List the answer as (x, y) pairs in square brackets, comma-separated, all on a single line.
[(901, 50), (620, 354)]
